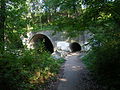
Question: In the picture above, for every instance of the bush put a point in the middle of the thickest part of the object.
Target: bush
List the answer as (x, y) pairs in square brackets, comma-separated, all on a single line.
[(26, 70), (104, 62)]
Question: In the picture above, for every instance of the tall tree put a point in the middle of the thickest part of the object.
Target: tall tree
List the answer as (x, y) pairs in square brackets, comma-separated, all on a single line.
[(2, 24)]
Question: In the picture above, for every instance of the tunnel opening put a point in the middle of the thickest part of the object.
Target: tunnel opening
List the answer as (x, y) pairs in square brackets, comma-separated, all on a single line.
[(44, 40), (74, 47)]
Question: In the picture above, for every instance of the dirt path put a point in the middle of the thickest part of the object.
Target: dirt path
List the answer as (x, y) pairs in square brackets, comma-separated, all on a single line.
[(76, 76)]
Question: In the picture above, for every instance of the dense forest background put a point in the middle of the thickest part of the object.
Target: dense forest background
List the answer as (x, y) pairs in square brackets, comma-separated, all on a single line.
[(19, 66)]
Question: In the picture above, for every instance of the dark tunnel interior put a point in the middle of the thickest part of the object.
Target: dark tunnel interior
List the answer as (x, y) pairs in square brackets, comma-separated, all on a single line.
[(37, 39), (75, 47)]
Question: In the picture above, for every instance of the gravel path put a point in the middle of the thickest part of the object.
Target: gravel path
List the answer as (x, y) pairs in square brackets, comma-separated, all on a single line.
[(76, 76)]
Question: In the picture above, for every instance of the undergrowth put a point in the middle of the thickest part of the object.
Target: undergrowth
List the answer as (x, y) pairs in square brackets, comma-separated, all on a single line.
[(104, 63), (27, 70)]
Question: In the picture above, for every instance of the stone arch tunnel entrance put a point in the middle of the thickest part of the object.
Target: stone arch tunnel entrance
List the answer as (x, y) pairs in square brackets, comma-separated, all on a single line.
[(42, 39), (75, 47)]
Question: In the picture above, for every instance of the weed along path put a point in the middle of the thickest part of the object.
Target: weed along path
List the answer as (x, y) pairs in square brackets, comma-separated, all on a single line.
[(76, 76)]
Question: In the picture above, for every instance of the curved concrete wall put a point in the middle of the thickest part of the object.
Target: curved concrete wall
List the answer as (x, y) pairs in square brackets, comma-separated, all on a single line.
[(38, 38)]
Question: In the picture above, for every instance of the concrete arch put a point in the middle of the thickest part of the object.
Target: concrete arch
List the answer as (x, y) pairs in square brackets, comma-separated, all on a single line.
[(75, 47), (40, 37)]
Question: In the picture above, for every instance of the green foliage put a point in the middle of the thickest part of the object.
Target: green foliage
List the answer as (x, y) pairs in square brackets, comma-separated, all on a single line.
[(26, 70), (102, 19), (23, 69), (104, 62)]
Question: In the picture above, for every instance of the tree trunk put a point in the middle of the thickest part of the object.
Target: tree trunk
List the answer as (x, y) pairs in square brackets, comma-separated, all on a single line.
[(2, 25)]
